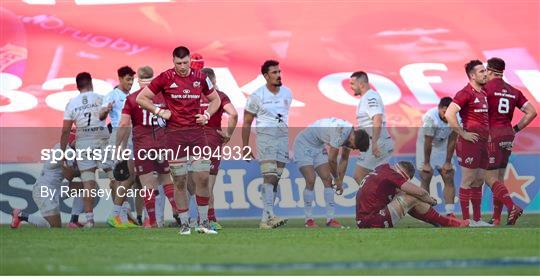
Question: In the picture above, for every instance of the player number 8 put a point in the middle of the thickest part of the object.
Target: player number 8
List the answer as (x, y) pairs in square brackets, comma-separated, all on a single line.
[(504, 105)]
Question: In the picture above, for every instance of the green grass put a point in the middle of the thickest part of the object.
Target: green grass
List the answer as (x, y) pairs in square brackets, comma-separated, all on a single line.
[(31, 250)]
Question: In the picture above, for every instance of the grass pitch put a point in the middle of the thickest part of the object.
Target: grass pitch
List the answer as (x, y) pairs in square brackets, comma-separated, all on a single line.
[(412, 248)]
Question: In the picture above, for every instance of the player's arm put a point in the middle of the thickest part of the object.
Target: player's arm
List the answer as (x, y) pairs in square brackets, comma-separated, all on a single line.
[(428, 144), (123, 132), (418, 192), (246, 130), (144, 99), (450, 148), (342, 168), (213, 103), (66, 128), (528, 117), (104, 111), (232, 121), (332, 162), (377, 124), (451, 117)]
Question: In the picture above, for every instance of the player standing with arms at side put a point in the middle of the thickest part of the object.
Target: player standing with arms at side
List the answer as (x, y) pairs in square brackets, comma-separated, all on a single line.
[(502, 100), (370, 117), (182, 88), (270, 104)]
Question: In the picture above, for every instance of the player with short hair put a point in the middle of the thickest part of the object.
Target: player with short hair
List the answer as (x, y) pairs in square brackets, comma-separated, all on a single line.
[(435, 147), (370, 116), (313, 158), (386, 195), (502, 100), (112, 106), (270, 104), (51, 177), (472, 143), (148, 134), (216, 137), (182, 88), (92, 133)]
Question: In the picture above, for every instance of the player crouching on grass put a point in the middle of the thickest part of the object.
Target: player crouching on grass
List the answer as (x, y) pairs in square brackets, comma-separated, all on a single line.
[(386, 195), (46, 193), (312, 157)]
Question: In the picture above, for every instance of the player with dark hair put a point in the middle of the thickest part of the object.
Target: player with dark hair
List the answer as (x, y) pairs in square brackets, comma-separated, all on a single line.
[(182, 88), (502, 100), (435, 147), (370, 116), (92, 133), (472, 143), (270, 104), (313, 158), (386, 195)]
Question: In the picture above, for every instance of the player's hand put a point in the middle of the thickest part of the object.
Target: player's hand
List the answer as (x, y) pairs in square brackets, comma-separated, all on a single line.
[(427, 168), (247, 154), (375, 150), (339, 188), (469, 136), (166, 114), (110, 106), (225, 137), (433, 201), (447, 168), (201, 119)]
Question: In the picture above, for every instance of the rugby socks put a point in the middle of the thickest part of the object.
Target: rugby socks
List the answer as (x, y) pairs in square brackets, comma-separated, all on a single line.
[(212, 214), (432, 217), (330, 204), (497, 208), (38, 221), (169, 192), (184, 216), (202, 207), (476, 200), (449, 208), (150, 205), (464, 198), (89, 217), (124, 209), (160, 204), (116, 210), (501, 193), (309, 196), (268, 199)]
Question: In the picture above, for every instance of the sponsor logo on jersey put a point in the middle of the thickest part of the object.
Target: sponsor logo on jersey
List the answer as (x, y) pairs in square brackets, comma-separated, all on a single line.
[(196, 84), (186, 91), (469, 160)]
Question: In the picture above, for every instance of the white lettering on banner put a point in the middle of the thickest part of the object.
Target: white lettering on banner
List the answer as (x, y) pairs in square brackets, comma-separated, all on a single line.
[(59, 100), (18, 100), (331, 86), (236, 187), (419, 84)]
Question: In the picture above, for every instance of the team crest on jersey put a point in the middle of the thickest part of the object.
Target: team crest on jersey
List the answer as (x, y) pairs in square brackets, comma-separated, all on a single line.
[(476, 100), (186, 91), (173, 85), (196, 84)]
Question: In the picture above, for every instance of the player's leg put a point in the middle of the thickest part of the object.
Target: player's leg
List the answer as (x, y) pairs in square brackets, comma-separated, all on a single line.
[(88, 177), (179, 178), (201, 175), (497, 204), (425, 178), (323, 170), (76, 206), (501, 193), (449, 191), (150, 186), (424, 212), (308, 172)]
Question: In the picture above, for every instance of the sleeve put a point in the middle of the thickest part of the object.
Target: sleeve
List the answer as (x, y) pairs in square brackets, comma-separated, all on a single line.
[(521, 100), (127, 107), (68, 113), (207, 86), (429, 126), (225, 100), (253, 104), (158, 84), (107, 99), (375, 106), (461, 98)]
